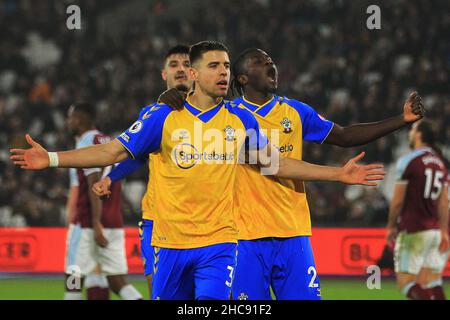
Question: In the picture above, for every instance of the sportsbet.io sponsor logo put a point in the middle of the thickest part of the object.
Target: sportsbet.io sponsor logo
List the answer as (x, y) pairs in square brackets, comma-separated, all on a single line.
[(285, 148), (185, 155)]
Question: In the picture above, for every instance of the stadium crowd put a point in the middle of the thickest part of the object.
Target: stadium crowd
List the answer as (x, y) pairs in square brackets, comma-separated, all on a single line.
[(325, 55)]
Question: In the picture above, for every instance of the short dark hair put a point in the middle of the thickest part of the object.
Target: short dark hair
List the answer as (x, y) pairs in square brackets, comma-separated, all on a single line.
[(178, 49), (425, 127), (197, 50), (85, 108), (429, 136), (238, 69)]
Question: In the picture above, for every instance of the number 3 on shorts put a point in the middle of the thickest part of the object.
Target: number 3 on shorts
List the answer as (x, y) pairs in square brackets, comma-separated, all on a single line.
[(228, 283), (312, 284)]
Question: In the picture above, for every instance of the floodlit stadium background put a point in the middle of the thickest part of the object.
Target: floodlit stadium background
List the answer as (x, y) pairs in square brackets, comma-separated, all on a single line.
[(326, 57)]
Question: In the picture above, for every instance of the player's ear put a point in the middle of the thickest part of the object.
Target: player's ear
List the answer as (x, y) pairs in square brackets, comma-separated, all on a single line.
[(164, 74), (193, 73), (242, 79)]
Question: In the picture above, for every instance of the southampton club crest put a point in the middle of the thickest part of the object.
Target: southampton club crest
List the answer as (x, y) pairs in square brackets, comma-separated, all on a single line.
[(286, 123), (229, 132)]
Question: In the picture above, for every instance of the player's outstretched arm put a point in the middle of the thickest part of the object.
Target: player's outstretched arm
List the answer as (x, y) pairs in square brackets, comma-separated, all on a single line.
[(362, 133), (350, 173), (37, 157), (271, 163)]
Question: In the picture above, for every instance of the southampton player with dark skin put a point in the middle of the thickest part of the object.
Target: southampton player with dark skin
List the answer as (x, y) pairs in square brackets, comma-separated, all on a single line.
[(256, 79)]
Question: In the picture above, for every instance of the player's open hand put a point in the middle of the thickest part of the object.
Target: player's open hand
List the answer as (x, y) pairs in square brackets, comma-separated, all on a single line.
[(367, 175), (173, 98), (35, 158), (99, 237), (101, 188), (445, 243), (413, 108)]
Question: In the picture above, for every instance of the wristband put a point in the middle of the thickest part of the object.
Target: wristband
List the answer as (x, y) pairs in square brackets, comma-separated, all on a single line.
[(53, 159)]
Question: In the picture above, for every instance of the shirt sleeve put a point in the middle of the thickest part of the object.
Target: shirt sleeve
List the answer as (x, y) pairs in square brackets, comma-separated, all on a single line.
[(87, 141), (73, 177), (125, 168), (144, 136), (315, 128), (401, 169)]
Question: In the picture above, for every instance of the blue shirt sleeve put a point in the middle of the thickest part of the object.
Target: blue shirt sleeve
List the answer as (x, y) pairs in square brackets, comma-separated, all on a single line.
[(125, 168), (315, 128), (403, 163), (73, 177), (400, 168), (255, 139), (144, 136)]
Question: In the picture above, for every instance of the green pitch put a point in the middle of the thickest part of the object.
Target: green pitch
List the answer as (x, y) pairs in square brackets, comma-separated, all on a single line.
[(332, 289)]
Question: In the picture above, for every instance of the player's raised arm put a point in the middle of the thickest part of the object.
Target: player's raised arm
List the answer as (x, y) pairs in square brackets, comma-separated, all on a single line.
[(37, 157), (362, 133), (259, 151)]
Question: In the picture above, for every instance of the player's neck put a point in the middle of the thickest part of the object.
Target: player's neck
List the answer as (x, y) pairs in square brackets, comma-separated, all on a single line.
[(420, 145), (202, 101), (257, 98)]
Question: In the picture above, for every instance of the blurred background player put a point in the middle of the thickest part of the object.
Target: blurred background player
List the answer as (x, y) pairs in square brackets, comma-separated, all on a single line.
[(101, 240), (95, 283), (175, 74), (435, 281), (418, 215)]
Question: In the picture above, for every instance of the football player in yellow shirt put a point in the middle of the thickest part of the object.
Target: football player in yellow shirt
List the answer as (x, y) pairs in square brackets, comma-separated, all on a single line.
[(273, 217), (194, 230)]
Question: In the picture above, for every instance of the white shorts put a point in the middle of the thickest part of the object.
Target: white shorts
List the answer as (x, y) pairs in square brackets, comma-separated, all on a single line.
[(444, 259), (414, 251), (83, 254)]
